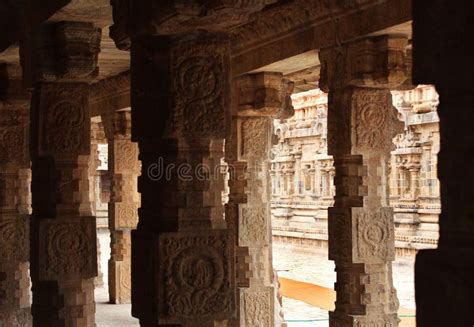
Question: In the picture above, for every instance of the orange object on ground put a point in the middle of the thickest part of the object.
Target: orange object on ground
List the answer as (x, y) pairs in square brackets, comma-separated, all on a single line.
[(324, 298)]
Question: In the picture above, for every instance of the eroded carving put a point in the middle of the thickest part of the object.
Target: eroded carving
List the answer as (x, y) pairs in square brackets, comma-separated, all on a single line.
[(196, 273), (68, 248)]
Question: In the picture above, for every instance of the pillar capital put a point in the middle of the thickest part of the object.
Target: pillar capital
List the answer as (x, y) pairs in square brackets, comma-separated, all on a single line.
[(264, 94), (377, 62), (62, 51)]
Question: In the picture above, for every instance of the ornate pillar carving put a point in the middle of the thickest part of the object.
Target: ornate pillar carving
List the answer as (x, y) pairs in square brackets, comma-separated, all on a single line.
[(361, 125), (182, 250), (15, 205), (441, 58), (258, 99), (62, 58), (124, 168)]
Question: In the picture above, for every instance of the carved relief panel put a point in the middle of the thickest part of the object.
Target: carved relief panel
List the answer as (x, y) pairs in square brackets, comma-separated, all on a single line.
[(196, 276), (64, 120), (67, 248)]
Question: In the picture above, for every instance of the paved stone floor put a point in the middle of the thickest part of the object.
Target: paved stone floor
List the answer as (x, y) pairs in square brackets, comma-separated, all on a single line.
[(312, 266), (292, 262)]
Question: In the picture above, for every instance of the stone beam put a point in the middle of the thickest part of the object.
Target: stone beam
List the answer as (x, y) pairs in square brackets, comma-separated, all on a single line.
[(110, 95), (287, 31), (20, 17)]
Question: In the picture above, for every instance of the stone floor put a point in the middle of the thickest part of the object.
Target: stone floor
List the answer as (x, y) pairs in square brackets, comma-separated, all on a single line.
[(292, 262), (110, 315), (312, 266)]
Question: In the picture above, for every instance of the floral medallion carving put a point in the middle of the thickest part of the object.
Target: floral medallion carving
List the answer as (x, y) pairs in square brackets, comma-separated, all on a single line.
[(68, 248), (375, 234), (258, 308), (126, 155), (13, 135), (127, 215), (372, 118), (14, 239), (65, 129), (200, 86), (254, 228), (196, 274)]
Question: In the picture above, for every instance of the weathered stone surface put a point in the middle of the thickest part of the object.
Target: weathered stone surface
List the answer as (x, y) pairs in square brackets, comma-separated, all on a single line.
[(197, 272), (67, 248)]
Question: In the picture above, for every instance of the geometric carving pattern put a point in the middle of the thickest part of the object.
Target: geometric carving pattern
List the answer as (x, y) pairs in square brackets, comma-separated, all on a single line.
[(196, 275), (126, 155), (257, 306), (68, 248)]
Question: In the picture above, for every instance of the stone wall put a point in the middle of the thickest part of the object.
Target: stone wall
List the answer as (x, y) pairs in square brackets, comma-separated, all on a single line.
[(302, 172)]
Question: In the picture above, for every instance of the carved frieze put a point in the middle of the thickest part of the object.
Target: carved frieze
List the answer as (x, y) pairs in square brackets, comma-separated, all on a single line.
[(67, 248), (196, 276)]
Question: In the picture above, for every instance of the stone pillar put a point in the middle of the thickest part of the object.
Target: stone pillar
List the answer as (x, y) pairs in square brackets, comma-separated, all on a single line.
[(361, 125), (15, 205), (444, 283), (258, 99), (182, 253), (97, 137), (63, 58), (124, 168)]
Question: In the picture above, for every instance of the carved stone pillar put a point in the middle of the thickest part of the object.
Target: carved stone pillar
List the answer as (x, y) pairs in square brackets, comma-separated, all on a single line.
[(124, 168), (258, 99), (361, 125), (97, 137), (444, 284), (63, 58), (15, 206), (182, 253)]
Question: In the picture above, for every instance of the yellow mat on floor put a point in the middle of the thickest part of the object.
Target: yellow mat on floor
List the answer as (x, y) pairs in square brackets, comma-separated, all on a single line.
[(324, 298)]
